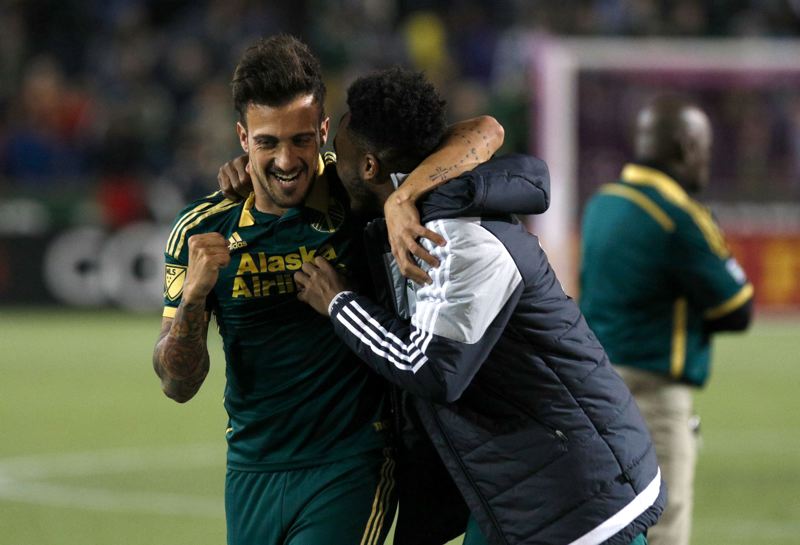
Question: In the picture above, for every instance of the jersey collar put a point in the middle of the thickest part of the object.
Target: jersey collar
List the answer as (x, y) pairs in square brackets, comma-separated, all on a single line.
[(663, 183), (316, 199)]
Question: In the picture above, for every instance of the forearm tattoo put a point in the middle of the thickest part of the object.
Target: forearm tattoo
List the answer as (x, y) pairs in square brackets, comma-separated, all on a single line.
[(443, 174), (181, 357), (440, 174)]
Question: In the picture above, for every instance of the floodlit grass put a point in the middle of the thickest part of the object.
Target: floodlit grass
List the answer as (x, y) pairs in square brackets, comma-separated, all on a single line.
[(748, 481), (93, 453)]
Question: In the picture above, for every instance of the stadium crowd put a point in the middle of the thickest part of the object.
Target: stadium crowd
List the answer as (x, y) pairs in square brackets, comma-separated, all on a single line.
[(128, 101)]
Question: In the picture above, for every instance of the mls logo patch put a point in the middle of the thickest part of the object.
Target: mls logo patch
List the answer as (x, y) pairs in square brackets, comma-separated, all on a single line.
[(174, 275)]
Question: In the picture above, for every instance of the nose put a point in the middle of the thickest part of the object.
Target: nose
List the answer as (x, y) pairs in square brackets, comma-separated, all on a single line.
[(285, 159)]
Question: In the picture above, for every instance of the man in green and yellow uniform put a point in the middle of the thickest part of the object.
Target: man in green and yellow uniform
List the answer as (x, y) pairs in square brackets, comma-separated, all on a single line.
[(308, 461), (657, 280)]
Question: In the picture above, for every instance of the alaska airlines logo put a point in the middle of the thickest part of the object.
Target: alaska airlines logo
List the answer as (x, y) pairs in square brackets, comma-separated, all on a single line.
[(236, 242), (262, 275), (329, 221)]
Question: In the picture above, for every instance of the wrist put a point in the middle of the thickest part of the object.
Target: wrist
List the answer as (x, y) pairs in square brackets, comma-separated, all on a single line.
[(192, 298), (403, 195), (337, 298), (195, 290)]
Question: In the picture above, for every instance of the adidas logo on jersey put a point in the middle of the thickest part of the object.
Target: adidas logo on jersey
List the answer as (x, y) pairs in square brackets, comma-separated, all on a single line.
[(236, 242)]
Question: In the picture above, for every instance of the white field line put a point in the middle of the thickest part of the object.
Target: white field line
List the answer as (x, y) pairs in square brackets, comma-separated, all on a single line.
[(74, 497), (21, 479)]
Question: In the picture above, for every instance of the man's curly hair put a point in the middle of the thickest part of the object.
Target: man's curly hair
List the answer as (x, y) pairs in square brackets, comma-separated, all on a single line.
[(398, 115), (274, 71)]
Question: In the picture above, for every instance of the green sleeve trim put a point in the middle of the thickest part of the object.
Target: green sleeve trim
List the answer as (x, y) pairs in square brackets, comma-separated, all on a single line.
[(170, 312), (731, 304)]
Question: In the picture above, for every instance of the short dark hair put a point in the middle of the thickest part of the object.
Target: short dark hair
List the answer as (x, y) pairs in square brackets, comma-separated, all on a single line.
[(398, 115), (274, 71)]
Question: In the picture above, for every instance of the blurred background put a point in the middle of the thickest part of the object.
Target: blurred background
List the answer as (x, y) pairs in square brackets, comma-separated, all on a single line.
[(114, 114)]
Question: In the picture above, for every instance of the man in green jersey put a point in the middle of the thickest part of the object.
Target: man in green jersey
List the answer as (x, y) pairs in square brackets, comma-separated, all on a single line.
[(657, 280), (307, 458)]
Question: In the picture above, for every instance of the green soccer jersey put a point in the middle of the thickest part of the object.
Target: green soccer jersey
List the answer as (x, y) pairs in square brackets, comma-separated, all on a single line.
[(655, 266), (295, 395)]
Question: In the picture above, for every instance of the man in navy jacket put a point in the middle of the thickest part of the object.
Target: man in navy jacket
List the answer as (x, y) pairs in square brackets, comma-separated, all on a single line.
[(539, 434)]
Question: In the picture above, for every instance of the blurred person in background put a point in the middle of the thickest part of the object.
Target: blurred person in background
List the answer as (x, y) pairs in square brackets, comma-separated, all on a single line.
[(45, 144), (307, 434), (657, 281), (538, 433)]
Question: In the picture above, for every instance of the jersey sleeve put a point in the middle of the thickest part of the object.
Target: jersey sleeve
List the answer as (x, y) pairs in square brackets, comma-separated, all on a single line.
[(456, 321), (174, 277), (176, 250), (707, 272)]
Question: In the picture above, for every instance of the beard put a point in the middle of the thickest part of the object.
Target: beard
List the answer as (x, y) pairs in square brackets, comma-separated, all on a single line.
[(362, 199), (285, 194)]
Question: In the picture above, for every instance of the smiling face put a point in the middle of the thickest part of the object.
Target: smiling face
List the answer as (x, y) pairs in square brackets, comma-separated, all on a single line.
[(283, 145)]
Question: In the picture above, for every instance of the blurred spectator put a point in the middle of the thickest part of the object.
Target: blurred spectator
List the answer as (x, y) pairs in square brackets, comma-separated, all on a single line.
[(102, 98), (47, 122)]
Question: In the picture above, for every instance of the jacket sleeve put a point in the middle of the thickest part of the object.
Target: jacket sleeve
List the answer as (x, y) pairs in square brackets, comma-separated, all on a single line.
[(510, 184), (456, 321)]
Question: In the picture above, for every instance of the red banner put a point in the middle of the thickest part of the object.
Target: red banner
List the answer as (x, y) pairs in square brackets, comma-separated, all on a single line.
[(772, 263)]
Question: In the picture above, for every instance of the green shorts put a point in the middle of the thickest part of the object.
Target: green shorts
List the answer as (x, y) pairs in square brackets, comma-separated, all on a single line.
[(350, 502)]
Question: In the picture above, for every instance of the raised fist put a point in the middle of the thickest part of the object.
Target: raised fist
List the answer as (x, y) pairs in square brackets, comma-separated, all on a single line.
[(208, 253)]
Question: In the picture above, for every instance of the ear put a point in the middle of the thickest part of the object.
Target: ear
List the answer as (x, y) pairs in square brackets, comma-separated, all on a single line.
[(688, 149), (369, 168), (241, 131), (323, 131)]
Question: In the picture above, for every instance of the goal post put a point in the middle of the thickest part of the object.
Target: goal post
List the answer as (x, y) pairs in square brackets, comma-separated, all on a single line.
[(557, 65)]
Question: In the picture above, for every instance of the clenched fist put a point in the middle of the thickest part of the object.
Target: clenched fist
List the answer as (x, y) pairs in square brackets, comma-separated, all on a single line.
[(208, 253)]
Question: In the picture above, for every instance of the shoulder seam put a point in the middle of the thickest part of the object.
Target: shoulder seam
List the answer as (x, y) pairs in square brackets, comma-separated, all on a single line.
[(192, 219), (641, 200), (699, 215), (183, 219)]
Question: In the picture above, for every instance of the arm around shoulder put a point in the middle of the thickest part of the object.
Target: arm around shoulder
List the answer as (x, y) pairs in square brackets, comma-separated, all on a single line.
[(455, 323)]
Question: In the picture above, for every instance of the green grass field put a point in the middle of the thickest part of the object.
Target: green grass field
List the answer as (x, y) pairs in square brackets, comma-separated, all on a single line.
[(93, 453)]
